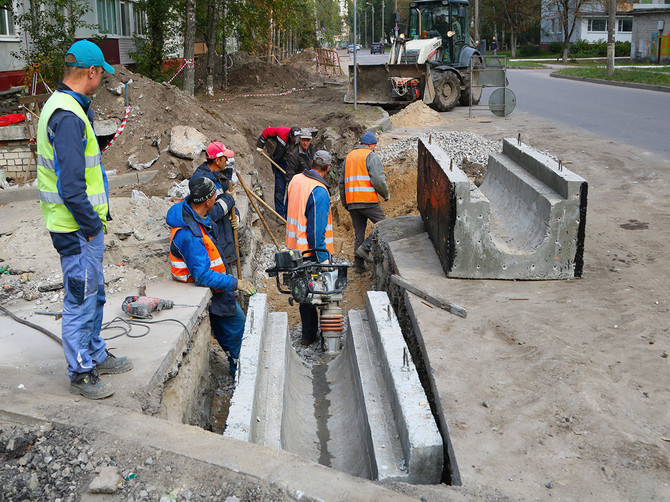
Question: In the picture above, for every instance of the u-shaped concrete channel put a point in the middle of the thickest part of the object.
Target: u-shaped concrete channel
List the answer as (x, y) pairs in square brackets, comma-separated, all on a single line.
[(363, 413)]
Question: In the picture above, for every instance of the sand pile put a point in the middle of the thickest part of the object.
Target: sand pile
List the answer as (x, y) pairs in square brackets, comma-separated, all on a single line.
[(418, 114)]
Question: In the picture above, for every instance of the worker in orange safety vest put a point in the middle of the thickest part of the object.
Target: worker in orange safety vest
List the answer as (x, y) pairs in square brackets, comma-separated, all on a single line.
[(362, 182), (310, 226)]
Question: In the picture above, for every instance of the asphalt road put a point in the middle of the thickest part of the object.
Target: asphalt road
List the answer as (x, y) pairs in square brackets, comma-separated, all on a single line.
[(629, 116)]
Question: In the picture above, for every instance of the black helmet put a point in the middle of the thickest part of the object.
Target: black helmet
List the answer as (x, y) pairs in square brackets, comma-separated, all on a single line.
[(201, 189)]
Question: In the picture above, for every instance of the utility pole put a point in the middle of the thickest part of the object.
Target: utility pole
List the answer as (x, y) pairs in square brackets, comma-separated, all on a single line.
[(476, 2), (611, 26), (373, 23), (383, 32), (365, 14), (355, 69)]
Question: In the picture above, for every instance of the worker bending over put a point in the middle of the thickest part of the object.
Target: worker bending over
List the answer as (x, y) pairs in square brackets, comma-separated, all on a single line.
[(195, 256), (283, 139), (362, 182), (310, 226)]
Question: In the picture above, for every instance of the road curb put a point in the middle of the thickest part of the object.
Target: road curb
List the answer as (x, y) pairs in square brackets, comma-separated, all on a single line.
[(633, 85)]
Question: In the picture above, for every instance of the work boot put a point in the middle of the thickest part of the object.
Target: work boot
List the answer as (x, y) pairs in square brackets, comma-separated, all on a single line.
[(359, 265), (90, 386), (113, 365), (364, 254)]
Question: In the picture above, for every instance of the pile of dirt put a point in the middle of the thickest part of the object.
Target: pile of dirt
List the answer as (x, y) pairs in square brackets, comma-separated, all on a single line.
[(418, 114), (256, 76)]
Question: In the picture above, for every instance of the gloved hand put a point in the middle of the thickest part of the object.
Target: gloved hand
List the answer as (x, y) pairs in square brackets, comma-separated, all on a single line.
[(246, 287), (259, 149), (234, 219), (387, 198)]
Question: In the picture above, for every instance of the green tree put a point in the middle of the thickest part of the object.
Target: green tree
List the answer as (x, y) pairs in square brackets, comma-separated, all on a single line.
[(162, 25), (51, 26)]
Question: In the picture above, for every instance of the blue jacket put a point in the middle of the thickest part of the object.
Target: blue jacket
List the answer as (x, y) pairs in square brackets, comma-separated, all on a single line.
[(220, 213), (316, 211), (66, 131), (188, 245)]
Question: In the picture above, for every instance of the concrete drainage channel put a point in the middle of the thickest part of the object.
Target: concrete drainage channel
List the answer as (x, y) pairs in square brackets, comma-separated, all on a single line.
[(363, 413)]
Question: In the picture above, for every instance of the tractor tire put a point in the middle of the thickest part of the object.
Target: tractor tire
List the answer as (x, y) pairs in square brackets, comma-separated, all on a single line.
[(447, 91), (477, 68)]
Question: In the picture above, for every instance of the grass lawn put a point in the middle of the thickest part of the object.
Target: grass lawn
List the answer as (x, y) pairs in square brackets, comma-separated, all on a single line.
[(524, 64), (637, 75)]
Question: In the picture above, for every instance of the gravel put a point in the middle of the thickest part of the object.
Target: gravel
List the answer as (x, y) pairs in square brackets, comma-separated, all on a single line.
[(458, 145)]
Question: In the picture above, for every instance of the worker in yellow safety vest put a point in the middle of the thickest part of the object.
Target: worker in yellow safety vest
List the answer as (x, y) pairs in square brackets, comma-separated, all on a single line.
[(362, 182), (73, 192)]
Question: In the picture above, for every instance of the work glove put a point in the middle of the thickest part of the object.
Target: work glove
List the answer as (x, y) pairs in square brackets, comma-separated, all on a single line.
[(260, 144), (259, 150), (234, 220), (246, 287), (387, 198)]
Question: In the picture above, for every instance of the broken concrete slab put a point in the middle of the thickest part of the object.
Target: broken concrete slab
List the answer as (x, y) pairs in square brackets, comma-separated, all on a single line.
[(526, 221)]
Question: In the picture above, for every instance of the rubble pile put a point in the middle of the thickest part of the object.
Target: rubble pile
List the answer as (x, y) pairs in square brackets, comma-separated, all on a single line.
[(49, 462)]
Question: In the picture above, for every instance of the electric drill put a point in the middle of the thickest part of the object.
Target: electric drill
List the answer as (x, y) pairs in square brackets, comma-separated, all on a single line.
[(143, 306)]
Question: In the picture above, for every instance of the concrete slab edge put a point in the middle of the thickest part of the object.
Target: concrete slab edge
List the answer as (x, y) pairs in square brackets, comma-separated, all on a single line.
[(242, 404), (419, 435), (304, 480)]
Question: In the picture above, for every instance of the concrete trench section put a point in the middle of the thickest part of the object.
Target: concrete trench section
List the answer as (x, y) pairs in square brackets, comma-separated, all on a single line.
[(364, 412)]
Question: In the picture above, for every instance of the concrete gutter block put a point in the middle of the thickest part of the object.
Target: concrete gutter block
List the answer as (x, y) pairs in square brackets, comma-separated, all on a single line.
[(242, 405), (526, 221), (266, 423), (418, 432)]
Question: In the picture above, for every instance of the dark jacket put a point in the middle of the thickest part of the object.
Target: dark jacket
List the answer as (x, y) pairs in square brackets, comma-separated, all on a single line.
[(187, 244), (220, 213), (298, 161)]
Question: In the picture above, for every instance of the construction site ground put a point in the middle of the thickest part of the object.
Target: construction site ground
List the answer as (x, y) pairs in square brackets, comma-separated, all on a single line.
[(551, 389)]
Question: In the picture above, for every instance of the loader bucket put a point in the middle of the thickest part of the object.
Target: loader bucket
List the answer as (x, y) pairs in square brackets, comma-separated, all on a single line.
[(375, 88)]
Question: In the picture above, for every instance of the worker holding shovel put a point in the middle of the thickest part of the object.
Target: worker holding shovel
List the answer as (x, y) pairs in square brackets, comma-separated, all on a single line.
[(284, 139)]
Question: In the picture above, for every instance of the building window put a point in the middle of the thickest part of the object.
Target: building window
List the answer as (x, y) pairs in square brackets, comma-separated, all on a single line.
[(139, 21), (597, 24), (625, 25), (6, 22), (107, 17), (125, 18)]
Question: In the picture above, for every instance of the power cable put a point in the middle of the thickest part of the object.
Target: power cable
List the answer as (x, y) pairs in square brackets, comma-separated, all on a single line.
[(32, 325)]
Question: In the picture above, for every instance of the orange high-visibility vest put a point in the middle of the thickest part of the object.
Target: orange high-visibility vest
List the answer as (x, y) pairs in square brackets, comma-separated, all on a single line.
[(299, 189), (357, 185), (178, 266)]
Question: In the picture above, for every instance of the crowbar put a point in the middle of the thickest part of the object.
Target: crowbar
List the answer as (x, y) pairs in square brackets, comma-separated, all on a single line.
[(443, 304)]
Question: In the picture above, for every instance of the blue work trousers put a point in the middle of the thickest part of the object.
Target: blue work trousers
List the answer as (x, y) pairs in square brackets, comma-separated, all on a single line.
[(228, 332), (83, 306), (280, 189)]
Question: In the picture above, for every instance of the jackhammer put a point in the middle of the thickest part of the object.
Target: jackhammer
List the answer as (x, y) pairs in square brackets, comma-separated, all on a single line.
[(320, 284)]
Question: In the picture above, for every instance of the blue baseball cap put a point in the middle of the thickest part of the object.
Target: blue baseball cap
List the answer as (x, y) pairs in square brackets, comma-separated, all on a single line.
[(88, 54), (369, 139)]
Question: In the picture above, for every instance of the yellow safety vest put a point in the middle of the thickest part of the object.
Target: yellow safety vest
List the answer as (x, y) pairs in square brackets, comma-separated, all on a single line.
[(299, 189), (57, 216)]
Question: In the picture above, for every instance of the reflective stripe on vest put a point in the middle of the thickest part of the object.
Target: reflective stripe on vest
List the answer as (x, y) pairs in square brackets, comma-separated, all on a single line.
[(299, 189), (178, 267), (357, 185), (57, 216)]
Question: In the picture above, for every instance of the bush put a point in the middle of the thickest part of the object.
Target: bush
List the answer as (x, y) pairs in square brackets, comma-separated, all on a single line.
[(526, 51), (555, 48), (622, 49)]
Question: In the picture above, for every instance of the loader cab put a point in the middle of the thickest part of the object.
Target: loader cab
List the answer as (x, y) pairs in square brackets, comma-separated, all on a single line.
[(447, 19)]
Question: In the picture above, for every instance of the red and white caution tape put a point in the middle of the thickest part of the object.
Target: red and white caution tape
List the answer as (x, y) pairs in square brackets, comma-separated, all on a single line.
[(264, 95), (119, 130), (187, 62)]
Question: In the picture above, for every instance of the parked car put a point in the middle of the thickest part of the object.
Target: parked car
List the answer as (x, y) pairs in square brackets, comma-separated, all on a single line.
[(351, 47), (376, 48)]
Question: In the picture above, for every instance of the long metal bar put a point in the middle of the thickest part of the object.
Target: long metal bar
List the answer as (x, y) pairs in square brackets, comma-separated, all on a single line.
[(443, 304), (258, 212)]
